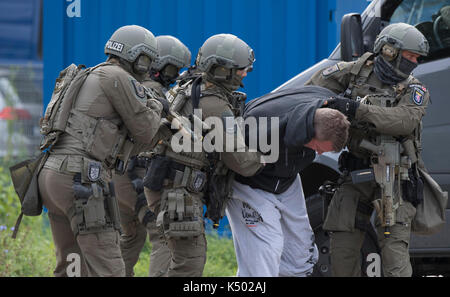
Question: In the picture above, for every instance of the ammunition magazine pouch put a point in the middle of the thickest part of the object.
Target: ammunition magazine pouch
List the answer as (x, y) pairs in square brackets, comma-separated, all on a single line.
[(163, 169), (95, 208), (181, 214), (348, 162)]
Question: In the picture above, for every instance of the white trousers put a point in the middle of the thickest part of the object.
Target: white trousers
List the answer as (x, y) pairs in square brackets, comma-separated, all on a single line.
[(271, 233)]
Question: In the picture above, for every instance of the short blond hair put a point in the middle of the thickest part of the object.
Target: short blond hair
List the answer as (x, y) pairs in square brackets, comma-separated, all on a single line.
[(332, 125)]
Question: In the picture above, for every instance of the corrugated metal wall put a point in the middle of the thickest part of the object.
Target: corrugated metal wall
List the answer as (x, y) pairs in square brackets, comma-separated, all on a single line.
[(287, 35), (19, 29)]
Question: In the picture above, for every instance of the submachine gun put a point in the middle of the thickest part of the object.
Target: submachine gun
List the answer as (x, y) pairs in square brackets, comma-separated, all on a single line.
[(389, 167)]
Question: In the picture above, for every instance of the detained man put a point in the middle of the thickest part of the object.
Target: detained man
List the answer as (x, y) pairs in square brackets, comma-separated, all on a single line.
[(271, 230)]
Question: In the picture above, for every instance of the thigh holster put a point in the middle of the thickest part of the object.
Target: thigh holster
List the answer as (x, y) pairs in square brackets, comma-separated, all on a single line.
[(95, 208)]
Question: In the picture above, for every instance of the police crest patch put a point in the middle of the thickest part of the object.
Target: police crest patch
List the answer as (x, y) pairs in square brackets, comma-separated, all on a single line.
[(417, 95), (138, 88), (331, 70), (94, 171)]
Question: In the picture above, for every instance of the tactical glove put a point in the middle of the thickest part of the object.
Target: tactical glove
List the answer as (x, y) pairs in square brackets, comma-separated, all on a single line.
[(165, 104), (344, 105)]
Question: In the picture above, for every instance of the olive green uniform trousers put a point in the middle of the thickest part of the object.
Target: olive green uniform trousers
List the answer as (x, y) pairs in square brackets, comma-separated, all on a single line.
[(349, 215), (187, 255), (134, 232), (99, 252)]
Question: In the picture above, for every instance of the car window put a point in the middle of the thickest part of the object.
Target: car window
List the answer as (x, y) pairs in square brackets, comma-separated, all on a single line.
[(432, 18)]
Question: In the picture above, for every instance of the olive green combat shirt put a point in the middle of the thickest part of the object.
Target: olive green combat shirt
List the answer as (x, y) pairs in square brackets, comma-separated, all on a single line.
[(402, 119), (112, 93)]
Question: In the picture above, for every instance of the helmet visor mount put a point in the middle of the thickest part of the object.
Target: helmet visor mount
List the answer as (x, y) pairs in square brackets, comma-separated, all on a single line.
[(170, 71), (142, 64), (247, 69)]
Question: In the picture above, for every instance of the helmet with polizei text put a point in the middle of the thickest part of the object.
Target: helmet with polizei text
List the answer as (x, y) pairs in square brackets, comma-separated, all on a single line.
[(129, 42)]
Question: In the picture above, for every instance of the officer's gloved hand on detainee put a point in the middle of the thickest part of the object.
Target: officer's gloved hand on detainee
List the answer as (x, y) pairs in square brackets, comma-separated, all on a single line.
[(344, 105), (165, 103)]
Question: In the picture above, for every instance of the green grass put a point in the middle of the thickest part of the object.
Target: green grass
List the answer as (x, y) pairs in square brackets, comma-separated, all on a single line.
[(32, 252)]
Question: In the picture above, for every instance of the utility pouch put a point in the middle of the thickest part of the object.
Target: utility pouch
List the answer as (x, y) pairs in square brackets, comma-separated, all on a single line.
[(94, 210), (412, 189), (157, 172), (181, 214), (430, 214), (25, 180), (106, 142)]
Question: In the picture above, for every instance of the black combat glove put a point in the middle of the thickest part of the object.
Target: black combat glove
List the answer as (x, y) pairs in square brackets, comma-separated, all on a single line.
[(165, 104), (344, 105)]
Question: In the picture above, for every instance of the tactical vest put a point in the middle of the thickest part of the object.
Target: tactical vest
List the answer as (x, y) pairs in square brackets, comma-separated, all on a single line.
[(360, 87), (100, 139), (183, 99), (180, 102)]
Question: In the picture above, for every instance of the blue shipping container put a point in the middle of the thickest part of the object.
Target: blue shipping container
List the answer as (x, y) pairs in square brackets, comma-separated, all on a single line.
[(287, 36)]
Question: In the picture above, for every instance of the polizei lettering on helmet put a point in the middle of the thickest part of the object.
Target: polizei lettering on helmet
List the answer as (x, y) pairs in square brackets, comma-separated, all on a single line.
[(115, 46)]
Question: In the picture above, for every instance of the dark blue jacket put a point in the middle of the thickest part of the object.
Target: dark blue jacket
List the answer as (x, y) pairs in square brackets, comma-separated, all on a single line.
[(295, 109)]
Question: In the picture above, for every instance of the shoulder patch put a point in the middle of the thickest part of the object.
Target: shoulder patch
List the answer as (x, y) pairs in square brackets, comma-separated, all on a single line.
[(331, 70), (418, 95), (138, 88)]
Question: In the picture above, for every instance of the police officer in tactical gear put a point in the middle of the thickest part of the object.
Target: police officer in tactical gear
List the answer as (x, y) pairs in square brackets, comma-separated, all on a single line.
[(136, 218), (383, 101), (177, 184), (110, 111)]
